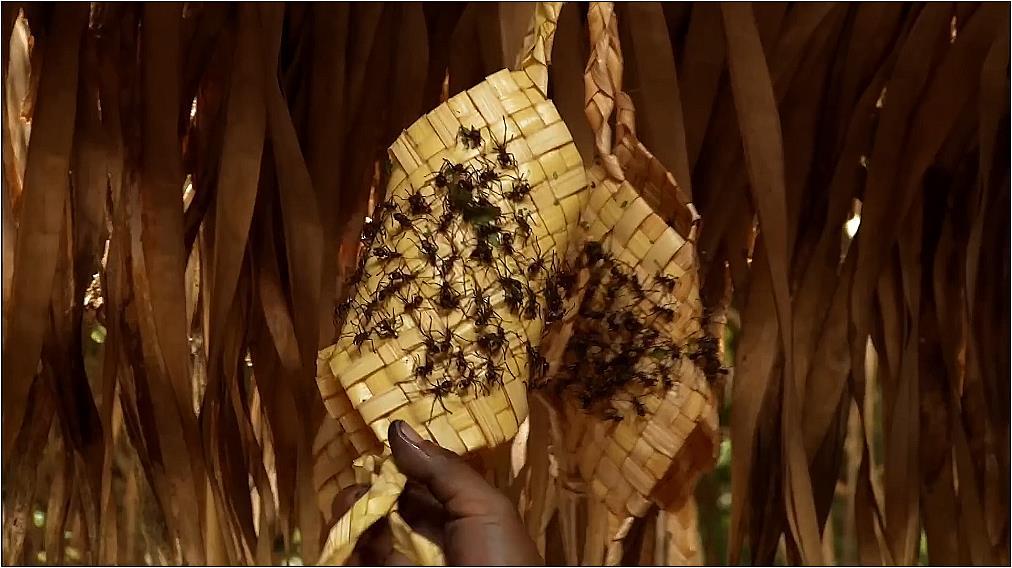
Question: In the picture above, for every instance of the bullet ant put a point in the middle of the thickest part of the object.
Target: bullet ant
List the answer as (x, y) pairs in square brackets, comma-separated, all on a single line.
[(513, 293), (448, 298), (531, 308), (471, 137), (487, 176), (537, 363), (555, 308), (539, 263), (413, 304), (367, 310), (360, 338), (505, 159), (565, 279), (664, 313), (666, 282), (401, 275), (384, 207), (385, 253), (370, 229), (430, 250), (438, 347), (465, 382), (520, 190), (404, 221), (417, 205), (342, 309), (388, 328), (492, 341), (438, 391), (611, 414), (443, 227), (482, 252), (506, 243), (522, 219), (446, 265), (492, 375), (483, 312), (424, 370), (388, 291)]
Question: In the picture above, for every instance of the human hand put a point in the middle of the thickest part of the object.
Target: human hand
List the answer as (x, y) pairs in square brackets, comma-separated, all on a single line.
[(449, 503)]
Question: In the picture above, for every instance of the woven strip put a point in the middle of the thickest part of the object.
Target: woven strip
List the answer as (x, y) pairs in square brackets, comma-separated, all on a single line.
[(657, 456), (537, 54)]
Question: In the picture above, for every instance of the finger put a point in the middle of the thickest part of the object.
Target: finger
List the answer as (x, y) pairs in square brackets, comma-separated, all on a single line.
[(452, 482), (346, 498), (423, 512)]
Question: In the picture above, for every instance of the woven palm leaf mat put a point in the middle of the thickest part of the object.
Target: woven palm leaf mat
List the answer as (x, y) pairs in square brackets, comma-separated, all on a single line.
[(635, 357), (447, 304), (468, 264)]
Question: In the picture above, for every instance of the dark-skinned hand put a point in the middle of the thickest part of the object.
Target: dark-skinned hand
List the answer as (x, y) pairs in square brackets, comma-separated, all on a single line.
[(449, 503)]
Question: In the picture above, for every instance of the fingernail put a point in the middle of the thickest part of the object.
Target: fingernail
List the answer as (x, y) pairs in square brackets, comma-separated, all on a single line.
[(408, 434)]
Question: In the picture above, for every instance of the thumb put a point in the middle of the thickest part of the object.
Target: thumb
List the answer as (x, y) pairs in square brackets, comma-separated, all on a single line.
[(461, 490)]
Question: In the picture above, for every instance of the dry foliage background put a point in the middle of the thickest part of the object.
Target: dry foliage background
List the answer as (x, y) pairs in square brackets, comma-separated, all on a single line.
[(183, 185)]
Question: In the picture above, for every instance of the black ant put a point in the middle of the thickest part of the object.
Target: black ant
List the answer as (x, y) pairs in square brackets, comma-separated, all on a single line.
[(539, 263), (429, 249), (665, 313), (413, 304), (417, 204), (438, 391), (471, 137), (531, 308), (387, 328), (482, 252), (385, 253), (361, 337), (443, 227), (424, 370), (522, 219), (520, 190), (506, 243), (436, 347), (666, 282), (513, 293), (446, 265), (493, 341), (555, 308), (370, 229), (404, 221), (538, 364), (448, 298), (505, 159), (401, 275)]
